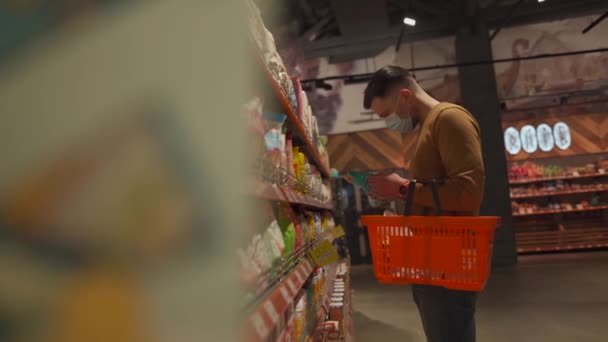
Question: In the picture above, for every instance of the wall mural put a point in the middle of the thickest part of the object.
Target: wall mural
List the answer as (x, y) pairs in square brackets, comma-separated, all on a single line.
[(534, 78)]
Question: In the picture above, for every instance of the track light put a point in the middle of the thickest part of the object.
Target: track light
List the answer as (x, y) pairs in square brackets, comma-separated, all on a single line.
[(409, 21)]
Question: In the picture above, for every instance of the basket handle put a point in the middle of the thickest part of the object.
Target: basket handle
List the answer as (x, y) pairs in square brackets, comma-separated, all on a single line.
[(411, 189)]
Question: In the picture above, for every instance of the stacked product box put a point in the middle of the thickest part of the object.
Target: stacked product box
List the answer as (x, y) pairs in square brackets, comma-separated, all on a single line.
[(338, 325)]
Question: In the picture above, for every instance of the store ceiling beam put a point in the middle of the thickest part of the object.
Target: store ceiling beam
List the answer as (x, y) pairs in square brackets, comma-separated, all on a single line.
[(595, 22), (528, 13), (507, 19), (316, 29), (306, 11), (350, 13), (429, 8), (531, 12), (341, 45)]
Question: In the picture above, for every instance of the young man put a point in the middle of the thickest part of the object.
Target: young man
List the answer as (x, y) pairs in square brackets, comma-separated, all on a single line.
[(448, 149)]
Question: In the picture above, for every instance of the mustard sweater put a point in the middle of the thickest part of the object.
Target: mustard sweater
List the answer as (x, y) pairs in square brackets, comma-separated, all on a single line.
[(449, 148)]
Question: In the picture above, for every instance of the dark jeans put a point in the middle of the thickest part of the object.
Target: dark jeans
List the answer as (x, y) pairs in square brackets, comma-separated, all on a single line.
[(447, 315)]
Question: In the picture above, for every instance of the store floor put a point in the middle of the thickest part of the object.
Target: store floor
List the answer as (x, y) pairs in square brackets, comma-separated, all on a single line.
[(549, 298)]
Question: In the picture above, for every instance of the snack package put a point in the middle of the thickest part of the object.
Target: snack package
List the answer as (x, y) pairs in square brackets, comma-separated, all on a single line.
[(300, 317), (273, 126), (299, 242), (289, 158), (249, 270), (260, 253), (274, 240), (290, 239), (305, 228), (296, 163), (317, 222)]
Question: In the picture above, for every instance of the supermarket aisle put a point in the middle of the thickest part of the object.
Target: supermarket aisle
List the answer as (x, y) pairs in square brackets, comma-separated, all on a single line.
[(544, 298)]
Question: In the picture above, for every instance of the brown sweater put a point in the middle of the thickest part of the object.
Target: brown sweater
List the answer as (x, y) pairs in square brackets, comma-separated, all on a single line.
[(449, 148)]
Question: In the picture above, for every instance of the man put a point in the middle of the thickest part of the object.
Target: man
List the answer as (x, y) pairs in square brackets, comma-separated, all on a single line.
[(448, 149)]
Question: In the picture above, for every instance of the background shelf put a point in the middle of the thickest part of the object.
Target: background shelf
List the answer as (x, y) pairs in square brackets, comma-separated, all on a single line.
[(559, 193), (562, 240), (560, 211), (549, 179)]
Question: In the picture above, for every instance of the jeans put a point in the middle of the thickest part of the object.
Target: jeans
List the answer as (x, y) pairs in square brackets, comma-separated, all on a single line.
[(447, 315)]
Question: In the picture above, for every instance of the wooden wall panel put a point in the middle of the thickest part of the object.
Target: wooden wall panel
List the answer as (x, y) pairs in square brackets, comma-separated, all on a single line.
[(589, 134), (370, 150)]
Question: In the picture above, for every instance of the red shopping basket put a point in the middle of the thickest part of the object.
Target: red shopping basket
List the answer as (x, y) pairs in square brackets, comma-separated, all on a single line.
[(452, 252)]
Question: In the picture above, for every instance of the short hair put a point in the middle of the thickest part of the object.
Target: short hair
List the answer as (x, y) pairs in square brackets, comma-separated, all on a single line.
[(385, 80)]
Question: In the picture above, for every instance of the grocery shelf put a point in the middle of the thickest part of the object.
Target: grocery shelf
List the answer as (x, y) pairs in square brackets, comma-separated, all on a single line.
[(266, 312), (264, 318), (559, 193), (562, 240), (560, 211), (273, 192), (548, 179), (300, 131)]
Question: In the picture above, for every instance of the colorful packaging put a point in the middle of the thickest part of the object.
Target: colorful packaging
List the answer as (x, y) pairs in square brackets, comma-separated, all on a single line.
[(275, 241), (290, 239), (260, 253), (300, 317), (358, 178)]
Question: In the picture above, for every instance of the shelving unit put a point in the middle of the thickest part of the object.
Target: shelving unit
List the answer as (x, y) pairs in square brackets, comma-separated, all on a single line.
[(281, 290), (277, 96), (297, 196), (272, 192), (556, 213), (549, 179), (561, 211), (559, 193)]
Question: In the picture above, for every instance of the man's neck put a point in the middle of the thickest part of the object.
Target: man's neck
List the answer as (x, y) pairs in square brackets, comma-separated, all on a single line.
[(424, 105)]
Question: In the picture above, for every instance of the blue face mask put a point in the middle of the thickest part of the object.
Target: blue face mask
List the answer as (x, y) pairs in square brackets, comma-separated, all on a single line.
[(399, 124), (394, 122)]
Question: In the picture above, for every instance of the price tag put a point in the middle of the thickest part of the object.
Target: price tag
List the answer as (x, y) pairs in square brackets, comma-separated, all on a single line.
[(601, 171), (338, 232), (324, 254)]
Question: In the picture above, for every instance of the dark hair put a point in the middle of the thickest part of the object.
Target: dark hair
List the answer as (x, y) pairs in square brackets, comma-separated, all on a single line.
[(385, 80)]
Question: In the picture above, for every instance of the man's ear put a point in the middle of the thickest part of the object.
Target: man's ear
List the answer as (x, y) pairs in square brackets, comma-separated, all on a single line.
[(406, 93)]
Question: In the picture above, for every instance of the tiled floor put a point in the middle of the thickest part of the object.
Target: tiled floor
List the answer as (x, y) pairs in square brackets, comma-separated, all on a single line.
[(549, 298)]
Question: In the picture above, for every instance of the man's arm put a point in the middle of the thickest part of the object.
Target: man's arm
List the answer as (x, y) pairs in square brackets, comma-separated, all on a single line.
[(458, 141)]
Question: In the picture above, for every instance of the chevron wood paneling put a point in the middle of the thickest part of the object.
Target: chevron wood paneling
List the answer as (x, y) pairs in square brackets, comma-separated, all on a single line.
[(589, 134), (370, 150)]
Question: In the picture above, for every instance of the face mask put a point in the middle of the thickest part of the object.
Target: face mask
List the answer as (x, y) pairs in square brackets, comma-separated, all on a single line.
[(402, 125)]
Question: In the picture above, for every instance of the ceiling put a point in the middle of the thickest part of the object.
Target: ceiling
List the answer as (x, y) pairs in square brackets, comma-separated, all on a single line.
[(350, 29)]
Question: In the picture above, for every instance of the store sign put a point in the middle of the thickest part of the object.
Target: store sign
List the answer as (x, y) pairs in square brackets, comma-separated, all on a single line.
[(543, 137)]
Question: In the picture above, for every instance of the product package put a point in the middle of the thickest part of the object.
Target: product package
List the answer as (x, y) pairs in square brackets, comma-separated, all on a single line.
[(300, 316), (274, 240), (358, 178)]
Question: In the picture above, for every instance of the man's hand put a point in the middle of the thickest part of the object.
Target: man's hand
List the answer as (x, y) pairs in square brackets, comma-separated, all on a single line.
[(387, 186)]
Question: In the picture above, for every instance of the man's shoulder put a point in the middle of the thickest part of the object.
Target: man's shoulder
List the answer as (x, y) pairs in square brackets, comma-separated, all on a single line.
[(452, 109), (453, 116), (452, 112)]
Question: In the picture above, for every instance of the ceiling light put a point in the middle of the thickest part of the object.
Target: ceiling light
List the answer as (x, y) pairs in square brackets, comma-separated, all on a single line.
[(541, 0), (409, 21)]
